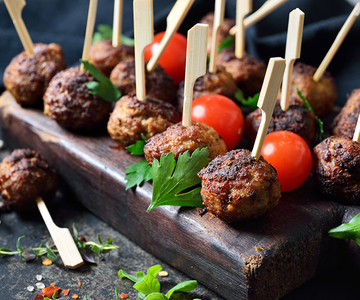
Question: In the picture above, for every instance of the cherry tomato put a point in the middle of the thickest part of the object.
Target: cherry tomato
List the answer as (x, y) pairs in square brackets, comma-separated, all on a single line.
[(173, 60), (222, 114), (290, 155)]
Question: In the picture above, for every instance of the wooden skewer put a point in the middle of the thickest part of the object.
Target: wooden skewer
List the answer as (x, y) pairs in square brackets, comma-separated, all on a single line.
[(143, 36), (243, 7), (62, 238), (337, 43), (269, 90), (173, 22), (15, 8), (117, 22), (218, 21), (356, 136), (196, 53), (89, 30), (292, 52), (268, 7)]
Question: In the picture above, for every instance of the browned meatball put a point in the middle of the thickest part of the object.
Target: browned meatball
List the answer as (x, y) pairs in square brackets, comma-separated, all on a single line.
[(132, 117), (345, 121), (247, 72), (158, 84), (336, 168), (68, 102), (223, 30), (321, 95), (178, 139), (296, 119), (236, 187), (24, 176), (220, 83), (28, 76), (105, 57)]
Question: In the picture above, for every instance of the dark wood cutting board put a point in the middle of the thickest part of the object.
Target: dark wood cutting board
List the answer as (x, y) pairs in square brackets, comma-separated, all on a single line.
[(261, 259)]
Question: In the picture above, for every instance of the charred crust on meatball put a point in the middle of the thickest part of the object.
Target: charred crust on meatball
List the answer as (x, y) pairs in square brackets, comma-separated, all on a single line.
[(28, 76), (237, 187), (178, 139), (68, 101), (336, 168), (24, 176)]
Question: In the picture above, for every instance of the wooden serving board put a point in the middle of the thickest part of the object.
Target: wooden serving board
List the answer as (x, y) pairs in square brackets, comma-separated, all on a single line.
[(261, 259)]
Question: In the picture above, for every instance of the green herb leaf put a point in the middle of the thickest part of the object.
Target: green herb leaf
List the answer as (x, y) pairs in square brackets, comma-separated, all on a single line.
[(105, 32), (18, 244), (117, 294), (308, 106), (123, 274), (138, 147), (85, 298), (4, 252), (251, 102), (103, 87), (171, 177), (137, 173), (76, 235), (185, 286), (349, 230), (50, 254), (154, 270), (156, 296), (140, 275), (149, 284), (228, 42)]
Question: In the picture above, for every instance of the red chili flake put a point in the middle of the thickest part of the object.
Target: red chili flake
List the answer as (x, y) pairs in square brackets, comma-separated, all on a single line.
[(79, 283), (66, 292), (39, 297), (75, 296), (124, 296), (82, 238), (49, 291)]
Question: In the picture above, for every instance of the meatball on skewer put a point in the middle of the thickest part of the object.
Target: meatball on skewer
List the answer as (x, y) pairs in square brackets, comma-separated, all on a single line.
[(241, 185)]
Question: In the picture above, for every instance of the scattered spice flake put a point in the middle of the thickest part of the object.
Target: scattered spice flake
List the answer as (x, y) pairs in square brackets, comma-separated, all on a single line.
[(50, 290), (163, 274), (79, 283), (124, 296), (47, 262), (65, 292), (39, 297), (259, 249), (75, 296), (53, 283)]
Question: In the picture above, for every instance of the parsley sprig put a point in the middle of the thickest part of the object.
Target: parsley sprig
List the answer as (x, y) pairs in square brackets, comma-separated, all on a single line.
[(50, 250), (148, 285), (103, 87), (227, 42), (251, 102), (105, 32), (308, 107), (349, 230)]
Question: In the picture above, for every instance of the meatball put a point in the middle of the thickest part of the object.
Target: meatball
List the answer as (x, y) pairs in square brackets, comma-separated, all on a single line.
[(336, 168), (321, 95), (220, 83), (27, 76), (223, 30), (247, 72), (345, 121), (132, 117), (68, 101), (105, 57), (296, 119), (178, 139), (236, 187), (24, 176), (158, 84)]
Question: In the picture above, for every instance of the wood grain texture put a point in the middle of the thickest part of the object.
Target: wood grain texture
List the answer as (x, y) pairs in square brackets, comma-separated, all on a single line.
[(262, 259)]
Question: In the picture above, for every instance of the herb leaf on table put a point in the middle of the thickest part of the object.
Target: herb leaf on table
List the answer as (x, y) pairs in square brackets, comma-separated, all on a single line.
[(349, 230)]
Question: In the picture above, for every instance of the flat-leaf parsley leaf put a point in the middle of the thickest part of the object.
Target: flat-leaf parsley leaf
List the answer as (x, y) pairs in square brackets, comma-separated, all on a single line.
[(349, 230)]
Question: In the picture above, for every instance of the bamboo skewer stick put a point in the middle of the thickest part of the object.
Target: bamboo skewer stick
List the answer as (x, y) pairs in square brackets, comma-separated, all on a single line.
[(356, 136), (15, 8), (196, 54), (269, 90), (218, 21), (337, 42), (117, 22), (243, 7), (62, 238), (143, 36), (292, 52), (173, 22), (267, 8), (89, 30)]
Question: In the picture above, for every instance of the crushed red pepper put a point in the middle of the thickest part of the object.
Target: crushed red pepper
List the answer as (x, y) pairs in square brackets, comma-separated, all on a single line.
[(65, 292), (47, 292), (124, 296)]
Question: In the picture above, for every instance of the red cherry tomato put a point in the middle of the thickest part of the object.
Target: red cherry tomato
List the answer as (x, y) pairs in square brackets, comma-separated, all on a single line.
[(222, 114), (290, 155), (173, 59)]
